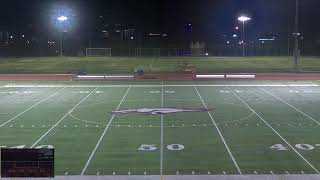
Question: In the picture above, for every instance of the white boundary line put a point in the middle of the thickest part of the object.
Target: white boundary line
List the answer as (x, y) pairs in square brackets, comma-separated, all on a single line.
[(275, 131), (103, 134), (166, 85), (221, 136), (291, 106), (4, 86), (161, 136), (31, 107), (70, 111)]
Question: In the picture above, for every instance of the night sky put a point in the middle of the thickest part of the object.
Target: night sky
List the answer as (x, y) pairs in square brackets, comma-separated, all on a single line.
[(208, 17)]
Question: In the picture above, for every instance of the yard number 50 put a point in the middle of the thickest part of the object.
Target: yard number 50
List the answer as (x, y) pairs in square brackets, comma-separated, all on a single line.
[(152, 147)]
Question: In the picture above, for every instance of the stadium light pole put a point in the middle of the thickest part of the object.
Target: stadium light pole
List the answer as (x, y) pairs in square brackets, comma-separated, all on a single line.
[(243, 19), (62, 20), (296, 35)]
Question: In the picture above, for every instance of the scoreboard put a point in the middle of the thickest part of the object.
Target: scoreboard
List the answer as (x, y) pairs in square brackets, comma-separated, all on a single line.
[(27, 162)]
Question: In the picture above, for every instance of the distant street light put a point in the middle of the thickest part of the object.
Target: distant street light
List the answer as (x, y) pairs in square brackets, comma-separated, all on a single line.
[(62, 20), (243, 19)]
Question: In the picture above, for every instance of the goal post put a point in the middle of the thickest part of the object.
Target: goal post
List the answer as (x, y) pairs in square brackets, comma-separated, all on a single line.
[(98, 52)]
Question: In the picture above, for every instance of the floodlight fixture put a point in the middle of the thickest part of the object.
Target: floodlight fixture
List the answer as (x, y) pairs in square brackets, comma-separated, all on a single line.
[(244, 18), (62, 18)]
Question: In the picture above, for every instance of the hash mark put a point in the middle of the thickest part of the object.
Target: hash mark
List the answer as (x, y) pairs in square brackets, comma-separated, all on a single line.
[(255, 172), (224, 172), (66, 173), (302, 172), (271, 172), (286, 172)]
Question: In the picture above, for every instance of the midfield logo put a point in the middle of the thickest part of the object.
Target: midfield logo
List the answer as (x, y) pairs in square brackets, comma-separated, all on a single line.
[(157, 111)]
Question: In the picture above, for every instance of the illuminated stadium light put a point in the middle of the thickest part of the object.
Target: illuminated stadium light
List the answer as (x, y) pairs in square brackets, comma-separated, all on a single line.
[(243, 18), (62, 18)]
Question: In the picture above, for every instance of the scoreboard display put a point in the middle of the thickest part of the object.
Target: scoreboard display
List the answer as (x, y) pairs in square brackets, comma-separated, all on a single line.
[(27, 163)]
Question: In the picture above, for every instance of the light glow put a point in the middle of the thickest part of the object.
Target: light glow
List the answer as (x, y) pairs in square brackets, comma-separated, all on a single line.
[(243, 18), (62, 18)]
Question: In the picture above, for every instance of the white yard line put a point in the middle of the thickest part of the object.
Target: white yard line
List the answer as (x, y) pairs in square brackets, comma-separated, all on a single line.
[(45, 134), (220, 134), (161, 136), (31, 107), (167, 85), (291, 106), (276, 132), (103, 134)]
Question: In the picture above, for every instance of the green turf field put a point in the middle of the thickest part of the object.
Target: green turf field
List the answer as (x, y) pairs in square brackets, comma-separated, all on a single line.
[(154, 64), (255, 127)]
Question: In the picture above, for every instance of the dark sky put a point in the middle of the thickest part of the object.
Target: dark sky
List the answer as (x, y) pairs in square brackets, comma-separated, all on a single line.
[(207, 16)]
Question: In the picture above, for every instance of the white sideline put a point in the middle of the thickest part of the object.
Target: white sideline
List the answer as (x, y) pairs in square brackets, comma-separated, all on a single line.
[(165, 85), (221, 136), (4, 86), (208, 76), (284, 140), (31, 107), (161, 135), (291, 106), (241, 76), (45, 134), (103, 134)]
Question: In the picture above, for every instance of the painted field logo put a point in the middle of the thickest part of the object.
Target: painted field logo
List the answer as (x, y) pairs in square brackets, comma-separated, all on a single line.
[(156, 111)]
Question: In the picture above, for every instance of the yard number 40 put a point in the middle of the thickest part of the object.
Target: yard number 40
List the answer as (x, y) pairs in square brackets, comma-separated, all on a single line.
[(152, 147), (280, 147)]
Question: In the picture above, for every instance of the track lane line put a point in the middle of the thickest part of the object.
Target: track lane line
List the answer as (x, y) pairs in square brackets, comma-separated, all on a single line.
[(31, 107), (71, 110), (278, 98), (275, 131), (103, 134), (220, 134)]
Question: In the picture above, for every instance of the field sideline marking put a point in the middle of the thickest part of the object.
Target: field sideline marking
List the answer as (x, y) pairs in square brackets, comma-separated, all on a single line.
[(166, 85), (161, 136), (3, 86), (222, 138), (291, 106), (103, 134), (45, 134), (275, 132), (31, 107)]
